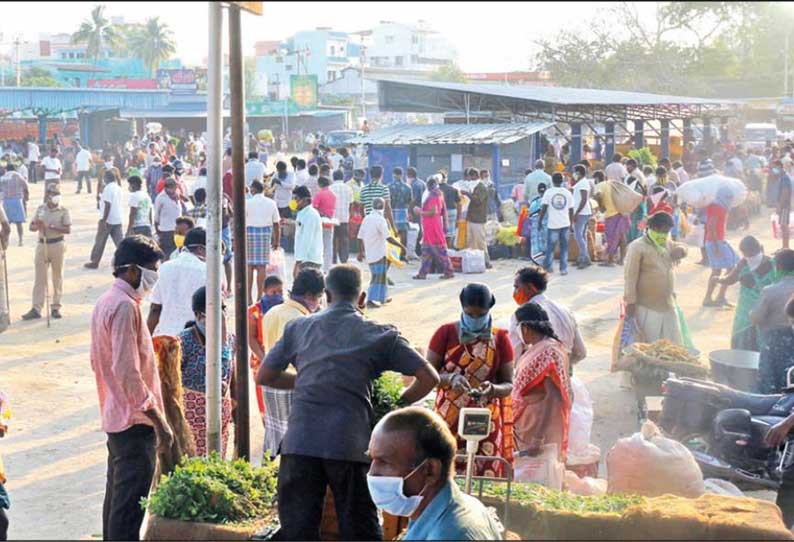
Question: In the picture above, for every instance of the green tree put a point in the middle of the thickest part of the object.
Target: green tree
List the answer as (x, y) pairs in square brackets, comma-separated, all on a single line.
[(153, 43), (450, 73), (38, 77), (95, 33)]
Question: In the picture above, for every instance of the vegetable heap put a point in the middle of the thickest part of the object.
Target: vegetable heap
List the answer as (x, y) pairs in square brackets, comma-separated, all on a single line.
[(665, 350), (211, 490), (386, 392), (547, 499)]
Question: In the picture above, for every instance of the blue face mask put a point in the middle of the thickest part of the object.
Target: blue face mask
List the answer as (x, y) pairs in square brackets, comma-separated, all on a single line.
[(201, 325), (474, 324), (387, 494)]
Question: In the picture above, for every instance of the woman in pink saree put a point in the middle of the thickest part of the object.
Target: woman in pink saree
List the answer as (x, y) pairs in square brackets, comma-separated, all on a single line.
[(542, 397)]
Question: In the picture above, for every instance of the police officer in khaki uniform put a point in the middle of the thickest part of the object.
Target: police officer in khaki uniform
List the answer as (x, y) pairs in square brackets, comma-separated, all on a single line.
[(53, 223)]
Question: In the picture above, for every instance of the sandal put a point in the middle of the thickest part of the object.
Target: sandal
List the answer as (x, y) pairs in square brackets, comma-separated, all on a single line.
[(419, 277), (446, 277)]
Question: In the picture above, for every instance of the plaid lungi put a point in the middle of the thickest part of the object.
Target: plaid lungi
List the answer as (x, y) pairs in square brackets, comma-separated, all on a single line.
[(278, 404), (400, 219), (378, 285), (257, 245)]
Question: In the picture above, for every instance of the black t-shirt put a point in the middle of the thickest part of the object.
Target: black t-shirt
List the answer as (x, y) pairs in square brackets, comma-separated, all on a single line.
[(451, 195)]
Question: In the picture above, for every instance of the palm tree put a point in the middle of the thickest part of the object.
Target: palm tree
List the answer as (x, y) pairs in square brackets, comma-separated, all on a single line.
[(153, 43), (96, 32)]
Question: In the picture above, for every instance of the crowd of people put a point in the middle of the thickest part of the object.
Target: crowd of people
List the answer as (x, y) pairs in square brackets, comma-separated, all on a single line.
[(314, 383)]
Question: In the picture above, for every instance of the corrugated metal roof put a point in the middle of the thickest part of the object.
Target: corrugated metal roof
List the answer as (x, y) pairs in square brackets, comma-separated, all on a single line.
[(66, 99), (559, 95), (451, 134)]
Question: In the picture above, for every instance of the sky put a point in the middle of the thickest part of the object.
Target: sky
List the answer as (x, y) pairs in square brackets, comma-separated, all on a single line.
[(489, 36)]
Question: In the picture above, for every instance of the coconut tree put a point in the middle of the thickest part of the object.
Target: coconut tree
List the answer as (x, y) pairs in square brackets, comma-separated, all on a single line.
[(153, 43), (96, 32)]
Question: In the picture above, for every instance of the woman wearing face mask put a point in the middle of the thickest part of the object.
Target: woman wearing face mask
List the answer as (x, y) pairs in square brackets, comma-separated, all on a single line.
[(773, 184), (541, 395), (753, 272), (194, 369), (475, 363)]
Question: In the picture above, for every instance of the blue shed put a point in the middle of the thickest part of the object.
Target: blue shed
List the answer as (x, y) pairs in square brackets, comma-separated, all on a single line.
[(505, 149)]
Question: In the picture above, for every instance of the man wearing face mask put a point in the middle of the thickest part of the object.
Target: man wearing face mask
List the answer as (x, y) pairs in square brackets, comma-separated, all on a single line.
[(53, 223), (308, 232), (179, 278), (128, 385), (331, 418), (529, 285), (649, 292), (412, 452)]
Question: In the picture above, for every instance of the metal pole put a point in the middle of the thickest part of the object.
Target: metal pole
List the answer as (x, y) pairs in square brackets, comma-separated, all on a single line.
[(214, 195), (241, 287), (785, 69), (363, 93), (19, 66)]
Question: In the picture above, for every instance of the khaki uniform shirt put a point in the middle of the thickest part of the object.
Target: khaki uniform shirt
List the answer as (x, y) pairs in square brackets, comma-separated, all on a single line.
[(58, 217), (649, 277)]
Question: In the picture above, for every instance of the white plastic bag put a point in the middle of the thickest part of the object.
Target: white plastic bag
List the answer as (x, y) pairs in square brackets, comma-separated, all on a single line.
[(581, 423), (702, 192), (583, 486), (411, 238), (650, 464), (696, 236), (722, 487), (473, 261), (277, 264), (544, 469)]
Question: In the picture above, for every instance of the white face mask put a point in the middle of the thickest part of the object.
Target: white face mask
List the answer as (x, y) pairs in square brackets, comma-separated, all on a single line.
[(755, 261), (387, 494), (148, 280), (56, 200)]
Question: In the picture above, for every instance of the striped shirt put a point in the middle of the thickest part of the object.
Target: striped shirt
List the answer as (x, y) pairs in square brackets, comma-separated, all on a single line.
[(370, 192)]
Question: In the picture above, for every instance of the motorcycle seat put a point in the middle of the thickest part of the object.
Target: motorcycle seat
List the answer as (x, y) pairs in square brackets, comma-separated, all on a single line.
[(767, 420), (758, 405)]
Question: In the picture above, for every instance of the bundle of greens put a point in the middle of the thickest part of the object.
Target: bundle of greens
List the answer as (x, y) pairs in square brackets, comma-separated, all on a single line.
[(547, 499), (211, 490), (386, 392)]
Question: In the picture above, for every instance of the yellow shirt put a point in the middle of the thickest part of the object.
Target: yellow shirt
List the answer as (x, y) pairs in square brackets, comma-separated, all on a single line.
[(604, 190), (277, 318)]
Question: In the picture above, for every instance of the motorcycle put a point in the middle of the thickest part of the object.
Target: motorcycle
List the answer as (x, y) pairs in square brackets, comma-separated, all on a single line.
[(725, 429)]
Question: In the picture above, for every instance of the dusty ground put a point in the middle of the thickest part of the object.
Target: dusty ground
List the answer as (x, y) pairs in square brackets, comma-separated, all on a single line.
[(55, 453)]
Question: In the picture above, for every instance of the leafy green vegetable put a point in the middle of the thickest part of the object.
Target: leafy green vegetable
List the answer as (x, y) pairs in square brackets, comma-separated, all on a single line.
[(386, 392), (215, 491), (643, 156), (548, 499)]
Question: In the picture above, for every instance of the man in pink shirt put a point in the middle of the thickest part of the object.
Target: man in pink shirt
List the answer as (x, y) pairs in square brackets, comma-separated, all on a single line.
[(325, 203), (130, 399)]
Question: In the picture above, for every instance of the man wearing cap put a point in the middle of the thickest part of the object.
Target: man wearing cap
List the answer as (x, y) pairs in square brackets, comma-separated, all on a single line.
[(53, 223), (110, 225), (167, 208), (533, 180), (171, 299)]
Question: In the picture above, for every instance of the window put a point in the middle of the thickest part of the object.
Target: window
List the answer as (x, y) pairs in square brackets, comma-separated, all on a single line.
[(333, 50), (415, 38), (331, 75), (398, 61), (389, 39), (288, 67)]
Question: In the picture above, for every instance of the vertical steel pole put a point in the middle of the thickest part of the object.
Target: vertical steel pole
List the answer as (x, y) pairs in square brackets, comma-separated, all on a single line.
[(214, 195), (241, 286), (785, 68)]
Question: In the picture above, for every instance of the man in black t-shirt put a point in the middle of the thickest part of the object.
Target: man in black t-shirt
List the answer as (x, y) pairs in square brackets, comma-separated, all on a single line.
[(453, 203)]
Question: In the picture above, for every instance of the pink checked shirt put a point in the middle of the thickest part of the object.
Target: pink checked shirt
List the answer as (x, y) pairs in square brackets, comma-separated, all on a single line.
[(122, 357)]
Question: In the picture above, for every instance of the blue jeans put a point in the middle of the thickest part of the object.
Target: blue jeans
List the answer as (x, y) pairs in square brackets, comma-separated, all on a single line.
[(552, 236), (580, 227)]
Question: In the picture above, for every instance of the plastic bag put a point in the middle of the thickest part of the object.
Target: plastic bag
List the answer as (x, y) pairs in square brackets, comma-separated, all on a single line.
[(509, 213), (277, 265), (650, 464), (703, 192), (624, 198), (544, 469), (411, 239), (473, 261), (581, 421), (491, 230), (686, 336), (626, 334), (586, 486), (696, 236)]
